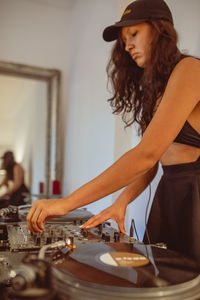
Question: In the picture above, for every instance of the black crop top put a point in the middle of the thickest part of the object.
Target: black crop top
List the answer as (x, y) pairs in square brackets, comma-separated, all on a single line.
[(188, 135)]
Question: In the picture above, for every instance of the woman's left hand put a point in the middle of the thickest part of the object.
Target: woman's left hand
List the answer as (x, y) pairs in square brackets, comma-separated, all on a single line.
[(115, 212)]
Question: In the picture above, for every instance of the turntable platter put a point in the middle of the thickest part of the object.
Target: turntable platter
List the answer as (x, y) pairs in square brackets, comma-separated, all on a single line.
[(92, 272)]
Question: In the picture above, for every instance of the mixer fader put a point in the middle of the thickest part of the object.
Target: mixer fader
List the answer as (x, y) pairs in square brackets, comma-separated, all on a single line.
[(21, 239)]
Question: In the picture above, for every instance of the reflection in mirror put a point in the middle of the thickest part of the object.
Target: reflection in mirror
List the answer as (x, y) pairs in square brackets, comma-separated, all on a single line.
[(23, 117), (29, 123)]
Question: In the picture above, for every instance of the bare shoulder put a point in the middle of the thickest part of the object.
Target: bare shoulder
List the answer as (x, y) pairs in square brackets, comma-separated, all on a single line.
[(186, 77), (189, 64), (18, 168)]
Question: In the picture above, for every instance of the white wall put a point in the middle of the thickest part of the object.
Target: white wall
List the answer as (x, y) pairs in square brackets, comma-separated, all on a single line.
[(69, 39), (90, 125), (187, 23)]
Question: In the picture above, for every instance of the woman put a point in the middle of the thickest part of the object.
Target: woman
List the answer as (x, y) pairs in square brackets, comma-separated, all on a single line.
[(158, 87), (14, 180)]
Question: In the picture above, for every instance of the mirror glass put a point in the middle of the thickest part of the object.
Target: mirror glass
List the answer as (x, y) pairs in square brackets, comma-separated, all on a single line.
[(29, 123)]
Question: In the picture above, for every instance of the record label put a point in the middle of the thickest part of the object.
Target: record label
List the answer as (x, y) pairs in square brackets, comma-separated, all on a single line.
[(124, 259)]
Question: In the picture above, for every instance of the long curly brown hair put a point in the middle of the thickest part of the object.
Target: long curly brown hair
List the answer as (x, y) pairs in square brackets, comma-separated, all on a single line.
[(136, 90)]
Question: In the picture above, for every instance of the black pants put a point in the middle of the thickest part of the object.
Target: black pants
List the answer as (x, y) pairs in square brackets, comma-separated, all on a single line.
[(175, 214)]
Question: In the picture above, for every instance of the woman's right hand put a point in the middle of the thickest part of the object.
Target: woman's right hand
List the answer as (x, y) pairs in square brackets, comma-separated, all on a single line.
[(42, 211), (115, 212)]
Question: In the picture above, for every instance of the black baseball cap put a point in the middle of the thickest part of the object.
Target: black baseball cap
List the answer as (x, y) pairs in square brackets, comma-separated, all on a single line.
[(138, 12)]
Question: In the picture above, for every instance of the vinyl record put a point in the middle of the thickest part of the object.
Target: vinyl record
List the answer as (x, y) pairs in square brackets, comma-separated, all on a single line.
[(121, 270)]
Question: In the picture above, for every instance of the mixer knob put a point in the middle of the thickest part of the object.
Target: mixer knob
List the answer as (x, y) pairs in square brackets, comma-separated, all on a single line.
[(103, 236), (38, 241), (85, 233), (100, 226), (49, 240), (51, 231), (107, 237), (116, 236)]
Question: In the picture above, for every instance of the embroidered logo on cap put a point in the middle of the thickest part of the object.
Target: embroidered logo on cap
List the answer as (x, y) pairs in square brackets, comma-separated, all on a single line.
[(128, 11)]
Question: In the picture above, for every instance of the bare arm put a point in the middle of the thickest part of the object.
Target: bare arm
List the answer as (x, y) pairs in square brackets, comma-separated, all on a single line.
[(180, 98), (117, 210), (134, 189)]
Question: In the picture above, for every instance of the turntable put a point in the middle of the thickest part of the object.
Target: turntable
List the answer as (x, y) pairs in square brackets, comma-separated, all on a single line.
[(101, 264), (126, 271)]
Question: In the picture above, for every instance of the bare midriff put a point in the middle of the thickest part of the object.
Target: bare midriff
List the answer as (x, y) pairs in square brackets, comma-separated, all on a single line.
[(179, 153)]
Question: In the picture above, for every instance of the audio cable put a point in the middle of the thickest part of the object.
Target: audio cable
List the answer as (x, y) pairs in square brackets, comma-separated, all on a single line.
[(147, 207)]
